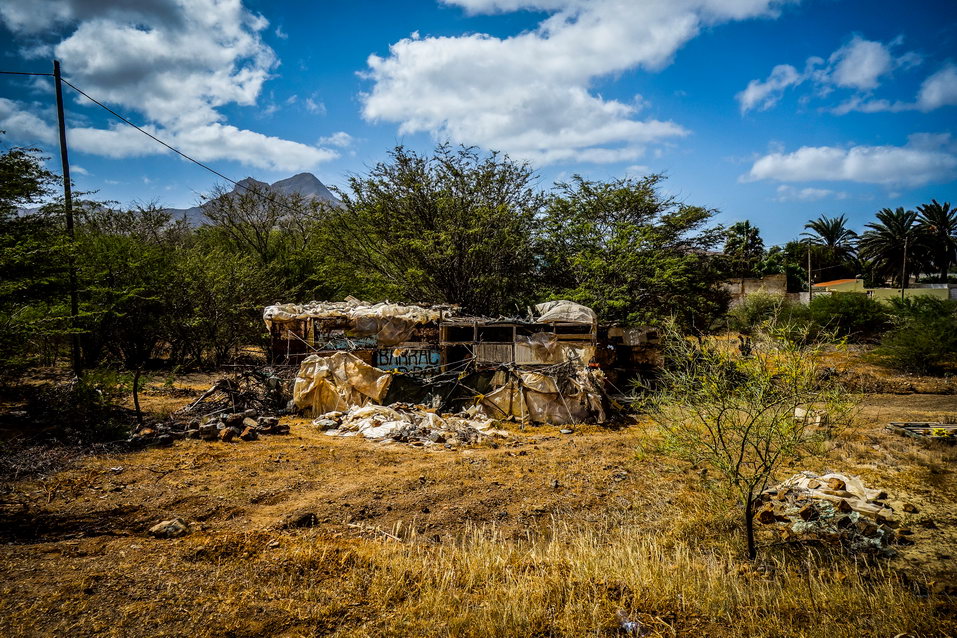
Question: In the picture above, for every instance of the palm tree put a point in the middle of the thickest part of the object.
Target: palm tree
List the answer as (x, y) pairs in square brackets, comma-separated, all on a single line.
[(832, 233), (894, 236), (836, 254), (938, 222)]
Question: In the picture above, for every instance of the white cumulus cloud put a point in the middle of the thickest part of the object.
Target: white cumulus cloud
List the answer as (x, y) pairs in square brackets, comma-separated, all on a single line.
[(860, 65), (924, 159), (174, 62), (938, 90), (765, 94), (531, 94), (788, 193)]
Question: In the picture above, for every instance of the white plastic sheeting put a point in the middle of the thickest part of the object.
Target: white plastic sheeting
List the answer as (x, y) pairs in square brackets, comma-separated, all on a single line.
[(563, 311), (338, 382), (407, 424), (350, 309), (390, 323)]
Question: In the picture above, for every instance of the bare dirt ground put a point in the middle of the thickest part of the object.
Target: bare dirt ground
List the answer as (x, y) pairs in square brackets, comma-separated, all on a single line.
[(385, 526)]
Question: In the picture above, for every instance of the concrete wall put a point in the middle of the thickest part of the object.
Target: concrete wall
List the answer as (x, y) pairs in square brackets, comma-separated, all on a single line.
[(739, 289)]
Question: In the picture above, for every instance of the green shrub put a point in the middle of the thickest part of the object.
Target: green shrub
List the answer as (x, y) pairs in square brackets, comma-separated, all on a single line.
[(87, 409), (756, 310), (924, 339), (854, 316)]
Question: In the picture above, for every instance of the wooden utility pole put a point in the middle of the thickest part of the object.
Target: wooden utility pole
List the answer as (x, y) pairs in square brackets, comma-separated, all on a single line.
[(809, 289), (904, 269), (68, 209)]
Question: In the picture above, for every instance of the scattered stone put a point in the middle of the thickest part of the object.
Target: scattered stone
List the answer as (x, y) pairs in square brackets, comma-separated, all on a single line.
[(227, 434), (173, 528), (298, 519), (249, 423), (249, 434), (833, 508), (910, 508), (268, 420), (192, 433), (250, 414), (567, 431)]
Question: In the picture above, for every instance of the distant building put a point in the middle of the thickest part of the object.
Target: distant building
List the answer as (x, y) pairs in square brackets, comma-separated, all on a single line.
[(741, 288), (940, 291)]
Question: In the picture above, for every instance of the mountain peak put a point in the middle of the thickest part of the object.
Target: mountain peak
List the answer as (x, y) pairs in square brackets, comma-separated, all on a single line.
[(305, 184)]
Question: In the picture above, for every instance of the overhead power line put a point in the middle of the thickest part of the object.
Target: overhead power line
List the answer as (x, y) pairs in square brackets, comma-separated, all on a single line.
[(24, 73), (254, 191)]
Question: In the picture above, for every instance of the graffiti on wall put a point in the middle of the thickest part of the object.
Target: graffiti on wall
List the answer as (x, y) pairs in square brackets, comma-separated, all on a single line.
[(408, 361), (341, 342)]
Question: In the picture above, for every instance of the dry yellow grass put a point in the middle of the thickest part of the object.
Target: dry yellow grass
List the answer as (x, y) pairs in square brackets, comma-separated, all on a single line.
[(546, 535)]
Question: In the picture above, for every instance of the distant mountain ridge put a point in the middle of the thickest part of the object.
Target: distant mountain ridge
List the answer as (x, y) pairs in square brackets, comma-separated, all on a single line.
[(305, 184)]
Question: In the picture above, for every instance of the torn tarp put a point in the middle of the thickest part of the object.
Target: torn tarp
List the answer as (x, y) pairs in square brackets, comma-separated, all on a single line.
[(338, 382), (569, 397)]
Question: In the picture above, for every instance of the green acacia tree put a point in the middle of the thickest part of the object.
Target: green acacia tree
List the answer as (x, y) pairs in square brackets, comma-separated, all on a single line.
[(454, 226), (32, 252), (632, 253), (735, 415)]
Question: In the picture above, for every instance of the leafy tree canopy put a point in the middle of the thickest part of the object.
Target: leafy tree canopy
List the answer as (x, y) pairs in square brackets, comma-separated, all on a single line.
[(632, 253), (744, 249), (455, 226)]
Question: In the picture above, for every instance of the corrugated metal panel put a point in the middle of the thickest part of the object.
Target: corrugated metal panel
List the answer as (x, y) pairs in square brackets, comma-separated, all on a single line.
[(494, 353)]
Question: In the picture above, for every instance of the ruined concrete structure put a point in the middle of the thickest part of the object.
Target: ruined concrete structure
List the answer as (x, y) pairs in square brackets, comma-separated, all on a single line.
[(417, 340), (554, 365)]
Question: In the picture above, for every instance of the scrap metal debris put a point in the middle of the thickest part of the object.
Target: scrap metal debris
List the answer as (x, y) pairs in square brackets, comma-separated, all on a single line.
[(264, 390), (409, 424), (946, 432), (831, 508)]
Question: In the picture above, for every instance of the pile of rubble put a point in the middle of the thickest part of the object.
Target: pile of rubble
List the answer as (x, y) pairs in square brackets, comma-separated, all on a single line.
[(405, 423), (244, 426), (831, 508), (241, 407)]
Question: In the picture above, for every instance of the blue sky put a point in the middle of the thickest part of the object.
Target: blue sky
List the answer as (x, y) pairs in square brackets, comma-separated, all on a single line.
[(773, 111)]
